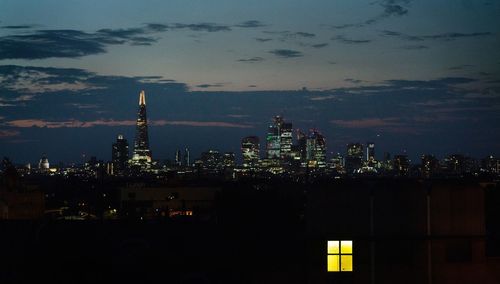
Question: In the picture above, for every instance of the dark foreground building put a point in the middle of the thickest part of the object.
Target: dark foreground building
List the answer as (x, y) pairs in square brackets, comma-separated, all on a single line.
[(270, 231), (406, 231)]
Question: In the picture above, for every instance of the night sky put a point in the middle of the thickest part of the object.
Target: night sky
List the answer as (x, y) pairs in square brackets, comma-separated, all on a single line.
[(412, 76)]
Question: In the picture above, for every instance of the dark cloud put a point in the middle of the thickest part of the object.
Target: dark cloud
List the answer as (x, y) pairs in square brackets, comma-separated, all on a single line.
[(40, 44), (251, 24), (19, 27), (444, 36), (204, 86), (401, 35), (286, 53), (414, 47), (442, 83), (135, 36), (20, 83), (345, 40), (251, 59), (198, 27), (288, 35), (69, 43), (453, 36), (263, 39), (201, 27), (344, 26), (303, 34), (157, 27), (51, 43), (391, 8), (394, 7), (140, 40), (320, 45), (148, 77)]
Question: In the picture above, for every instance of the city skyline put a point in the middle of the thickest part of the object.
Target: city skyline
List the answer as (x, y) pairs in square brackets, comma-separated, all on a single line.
[(222, 141), (141, 152), (421, 77)]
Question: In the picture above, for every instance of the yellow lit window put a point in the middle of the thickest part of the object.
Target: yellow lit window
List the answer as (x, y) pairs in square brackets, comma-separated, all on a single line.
[(339, 256)]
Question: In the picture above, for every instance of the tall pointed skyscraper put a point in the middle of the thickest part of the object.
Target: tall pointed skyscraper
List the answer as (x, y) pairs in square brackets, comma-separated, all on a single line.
[(142, 154)]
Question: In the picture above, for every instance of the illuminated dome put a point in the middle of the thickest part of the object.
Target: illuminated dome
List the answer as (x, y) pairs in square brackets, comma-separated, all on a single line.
[(44, 163)]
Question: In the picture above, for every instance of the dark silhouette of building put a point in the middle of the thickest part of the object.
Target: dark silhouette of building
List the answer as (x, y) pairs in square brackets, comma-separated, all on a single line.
[(120, 155), (490, 165), (401, 165), (178, 157), (429, 166), (17, 200), (186, 159), (405, 231)]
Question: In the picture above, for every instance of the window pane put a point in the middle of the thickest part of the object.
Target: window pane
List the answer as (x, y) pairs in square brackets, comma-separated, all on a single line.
[(333, 263), (333, 247), (346, 247), (346, 262)]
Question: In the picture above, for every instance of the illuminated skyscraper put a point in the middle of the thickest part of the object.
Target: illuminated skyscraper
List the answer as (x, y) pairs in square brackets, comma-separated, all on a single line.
[(279, 139), (228, 159), (301, 145), (354, 158), (250, 150), (212, 160), (142, 154), (337, 163), (370, 152), (316, 149), (119, 154), (285, 140), (186, 158), (274, 139)]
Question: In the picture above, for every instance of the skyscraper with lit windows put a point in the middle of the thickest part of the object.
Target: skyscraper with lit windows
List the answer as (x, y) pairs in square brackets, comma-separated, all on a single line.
[(279, 139), (142, 153), (354, 158), (370, 151), (273, 138), (250, 150), (286, 140), (316, 149)]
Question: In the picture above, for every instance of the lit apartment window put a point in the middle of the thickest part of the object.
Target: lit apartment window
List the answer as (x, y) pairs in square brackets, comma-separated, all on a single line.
[(339, 257)]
